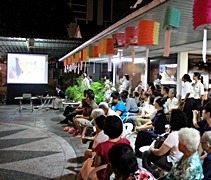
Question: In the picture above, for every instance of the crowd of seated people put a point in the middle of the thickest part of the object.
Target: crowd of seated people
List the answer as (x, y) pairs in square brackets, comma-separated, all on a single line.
[(148, 116)]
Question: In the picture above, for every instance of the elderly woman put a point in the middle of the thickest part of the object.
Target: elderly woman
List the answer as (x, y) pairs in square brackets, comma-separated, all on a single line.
[(123, 162), (158, 123), (189, 166), (168, 153)]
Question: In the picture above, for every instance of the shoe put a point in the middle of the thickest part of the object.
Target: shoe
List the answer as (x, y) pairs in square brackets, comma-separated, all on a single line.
[(55, 108), (51, 108), (71, 131), (65, 121)]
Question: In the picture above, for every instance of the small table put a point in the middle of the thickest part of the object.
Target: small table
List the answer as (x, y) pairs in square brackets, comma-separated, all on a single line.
[(45, 100), (24, 98), (70, 104)]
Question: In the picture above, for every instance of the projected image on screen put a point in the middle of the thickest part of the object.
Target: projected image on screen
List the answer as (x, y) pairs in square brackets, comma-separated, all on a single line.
[(27, 69)]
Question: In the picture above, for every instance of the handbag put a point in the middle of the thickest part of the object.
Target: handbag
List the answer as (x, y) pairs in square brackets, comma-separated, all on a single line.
[(159, 140)]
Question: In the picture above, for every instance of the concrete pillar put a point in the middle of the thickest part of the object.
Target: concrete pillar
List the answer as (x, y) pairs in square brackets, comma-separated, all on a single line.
[(182, 68)]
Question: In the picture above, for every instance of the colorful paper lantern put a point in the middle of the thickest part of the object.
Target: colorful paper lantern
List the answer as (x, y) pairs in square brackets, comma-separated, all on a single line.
[(148, 32), (202, 20), (131, 37), (171, 22), (107, 47), (93, 52), (118, 40)]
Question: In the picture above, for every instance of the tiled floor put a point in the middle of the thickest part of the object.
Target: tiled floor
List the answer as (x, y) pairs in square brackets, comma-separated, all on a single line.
[(33, 146)]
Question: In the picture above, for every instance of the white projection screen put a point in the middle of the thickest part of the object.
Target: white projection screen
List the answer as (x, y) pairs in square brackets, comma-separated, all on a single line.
[(27, 69)]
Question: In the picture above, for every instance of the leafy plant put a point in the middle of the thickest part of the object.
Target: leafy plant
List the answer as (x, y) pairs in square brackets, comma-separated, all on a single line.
[(99, 91)]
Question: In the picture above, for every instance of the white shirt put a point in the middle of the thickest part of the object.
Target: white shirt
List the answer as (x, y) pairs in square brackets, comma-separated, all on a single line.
[(187, 88), (198, 90), (172, 104), (172, 142), (85, 83), (150, 110), (100, 137), (111, 112)]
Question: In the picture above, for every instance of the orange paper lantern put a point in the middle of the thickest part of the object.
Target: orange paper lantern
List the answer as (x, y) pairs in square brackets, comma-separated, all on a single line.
[(148, 32)]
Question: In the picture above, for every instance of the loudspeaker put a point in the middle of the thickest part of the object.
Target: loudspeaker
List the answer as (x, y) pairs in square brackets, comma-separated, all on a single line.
[(56, 73)]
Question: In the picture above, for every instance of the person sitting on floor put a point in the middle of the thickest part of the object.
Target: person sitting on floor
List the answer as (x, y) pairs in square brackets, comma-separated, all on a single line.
[(118, 105), (158, 123), (165, 156), (82, 121), (59, 96), (113, 128), (123, 162), (206, 146)]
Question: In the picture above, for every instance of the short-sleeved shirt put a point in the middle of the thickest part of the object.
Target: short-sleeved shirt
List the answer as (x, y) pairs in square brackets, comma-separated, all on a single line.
[(131, 105), (159, 121), (187, 88), (100, 137), (150, 110), (190, 168), (203, 126), (172, 142), (198, 90), (120, 107), (126, 85), (207, 167), (172, 103), (102, 151)]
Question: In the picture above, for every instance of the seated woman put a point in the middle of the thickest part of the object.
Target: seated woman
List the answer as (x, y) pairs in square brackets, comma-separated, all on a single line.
[(113, 128), (147, 113), (158, 123), (123, 162), (189, 166), (168, 153)]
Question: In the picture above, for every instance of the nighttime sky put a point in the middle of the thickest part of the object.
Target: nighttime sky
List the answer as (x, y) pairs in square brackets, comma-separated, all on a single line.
[(49, 18)]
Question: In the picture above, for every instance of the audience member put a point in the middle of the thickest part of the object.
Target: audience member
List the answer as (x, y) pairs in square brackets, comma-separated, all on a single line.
[(131, 105), (85, 83), (108, 112), (205, 123), (172, 101), (136, 96), (189, 166), (147, 113), (90, 80), (151, 88), (126, 84), (206, 146), (157, 81), (118, 105), (113, 128), (187, 98), (59, 96), (168, 153), (158, 123), (82, 121), (98, 138), (145, 96), (138, 88), (123, 162), (198, 91)]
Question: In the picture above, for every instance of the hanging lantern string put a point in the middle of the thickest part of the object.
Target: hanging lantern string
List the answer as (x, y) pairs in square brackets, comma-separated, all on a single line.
[(204, 49)]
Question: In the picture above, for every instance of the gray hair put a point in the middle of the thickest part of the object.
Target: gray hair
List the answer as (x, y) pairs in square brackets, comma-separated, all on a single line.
[(97, 112), (207, 135), (173, 91), (190, 138)]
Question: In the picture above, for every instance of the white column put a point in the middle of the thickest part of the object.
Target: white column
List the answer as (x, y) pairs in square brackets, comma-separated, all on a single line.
[(182, 68)]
